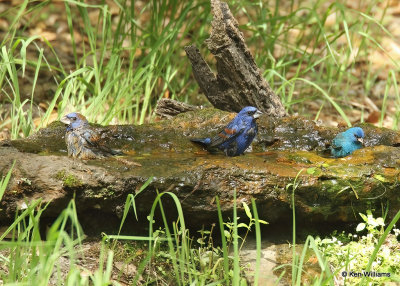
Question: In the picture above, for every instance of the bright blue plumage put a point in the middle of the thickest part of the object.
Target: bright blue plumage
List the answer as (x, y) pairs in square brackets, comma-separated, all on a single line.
[(237, 136), (347, 142)]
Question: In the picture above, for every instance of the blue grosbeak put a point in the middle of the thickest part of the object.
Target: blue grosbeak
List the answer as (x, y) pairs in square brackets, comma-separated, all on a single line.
[(82, 141), (347, 142), (237, 136)]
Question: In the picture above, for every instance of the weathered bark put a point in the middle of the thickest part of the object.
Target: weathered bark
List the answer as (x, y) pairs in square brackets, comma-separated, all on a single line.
[(329, 190), (239, 82), (168, 108)]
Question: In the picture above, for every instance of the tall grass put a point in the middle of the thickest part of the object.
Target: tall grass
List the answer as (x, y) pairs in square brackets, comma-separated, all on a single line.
[(29, 258), (325, 277), (131, 59), (227, 268), (26, 258), (126, 64), (4, 181), (311, 50)]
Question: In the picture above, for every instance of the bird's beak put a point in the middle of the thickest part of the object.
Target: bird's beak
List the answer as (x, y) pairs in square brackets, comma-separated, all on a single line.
[(257, 114), (65, 120), (361, 140)]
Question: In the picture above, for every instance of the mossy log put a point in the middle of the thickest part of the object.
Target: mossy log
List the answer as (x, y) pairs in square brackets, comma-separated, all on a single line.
[(327, 190)]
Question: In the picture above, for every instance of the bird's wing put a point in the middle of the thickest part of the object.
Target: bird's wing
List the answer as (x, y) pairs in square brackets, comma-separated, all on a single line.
[(95, 141), (229, 133), (338, 141), (92, 138)]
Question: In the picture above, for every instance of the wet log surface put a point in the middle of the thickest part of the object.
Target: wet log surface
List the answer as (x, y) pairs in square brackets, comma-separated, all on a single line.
[(239, 81), (329, 190)]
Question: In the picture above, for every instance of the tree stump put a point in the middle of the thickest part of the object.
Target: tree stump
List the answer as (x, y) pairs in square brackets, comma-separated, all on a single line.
[(239, 82)]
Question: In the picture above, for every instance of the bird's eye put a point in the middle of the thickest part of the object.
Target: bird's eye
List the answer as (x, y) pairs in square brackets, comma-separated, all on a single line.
[(73, 118), (249, 113)]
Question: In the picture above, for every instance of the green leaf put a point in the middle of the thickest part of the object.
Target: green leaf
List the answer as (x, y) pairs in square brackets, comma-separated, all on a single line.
[(242, 225), (148, 218), (243, 282), (380, 178), (247, 210), (227, 234), (311, 170), (364, 217)]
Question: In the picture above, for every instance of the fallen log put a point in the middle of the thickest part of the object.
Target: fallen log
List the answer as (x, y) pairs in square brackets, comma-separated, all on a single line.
[(327, 190)]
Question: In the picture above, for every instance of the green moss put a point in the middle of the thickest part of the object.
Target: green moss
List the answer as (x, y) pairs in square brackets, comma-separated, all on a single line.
[(72, 181), (299, 159), (60, 175), (69, 180), (104, 193)]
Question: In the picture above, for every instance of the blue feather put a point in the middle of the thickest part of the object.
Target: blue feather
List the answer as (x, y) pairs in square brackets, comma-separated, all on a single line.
[(237, 136), (347, 142)]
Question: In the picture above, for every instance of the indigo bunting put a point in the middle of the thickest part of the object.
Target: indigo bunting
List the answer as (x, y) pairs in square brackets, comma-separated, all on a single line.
[(82, 141), (237, 136), (347, 142)]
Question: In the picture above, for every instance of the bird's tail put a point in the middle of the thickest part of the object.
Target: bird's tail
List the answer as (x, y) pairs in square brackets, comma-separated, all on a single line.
[(202, 141)]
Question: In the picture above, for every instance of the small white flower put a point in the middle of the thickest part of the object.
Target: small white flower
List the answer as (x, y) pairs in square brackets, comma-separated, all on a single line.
[(386, 252), (23, 206)]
